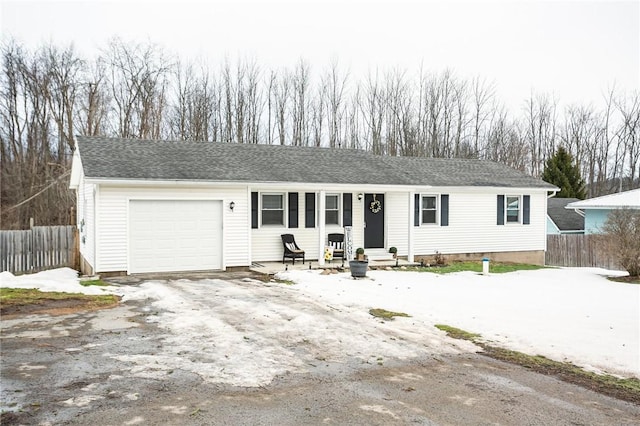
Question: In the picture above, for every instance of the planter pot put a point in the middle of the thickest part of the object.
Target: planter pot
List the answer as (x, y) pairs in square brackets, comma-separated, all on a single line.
[(358, 268)]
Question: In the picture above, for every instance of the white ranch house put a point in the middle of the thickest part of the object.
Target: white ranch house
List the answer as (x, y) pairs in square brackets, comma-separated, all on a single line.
[(160, 206)]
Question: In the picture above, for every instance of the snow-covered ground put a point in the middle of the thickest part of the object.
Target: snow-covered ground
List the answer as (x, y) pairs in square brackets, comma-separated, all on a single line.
[(62, 279), (568, 314), (259, 330)]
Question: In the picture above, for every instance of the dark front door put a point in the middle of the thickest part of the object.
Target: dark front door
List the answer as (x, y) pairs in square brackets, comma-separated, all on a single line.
[(373, 220)]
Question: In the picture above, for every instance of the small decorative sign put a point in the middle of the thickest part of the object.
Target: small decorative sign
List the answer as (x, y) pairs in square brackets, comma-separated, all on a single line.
[(328, 253), (348, 243)]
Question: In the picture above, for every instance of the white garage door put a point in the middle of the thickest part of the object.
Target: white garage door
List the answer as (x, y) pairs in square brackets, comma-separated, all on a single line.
[(174, 235)]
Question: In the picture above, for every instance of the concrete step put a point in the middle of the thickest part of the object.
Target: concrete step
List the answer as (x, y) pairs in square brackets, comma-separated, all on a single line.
[(378, 254)]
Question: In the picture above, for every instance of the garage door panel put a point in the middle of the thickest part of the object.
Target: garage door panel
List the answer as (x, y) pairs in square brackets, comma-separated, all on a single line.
[(174, 235)]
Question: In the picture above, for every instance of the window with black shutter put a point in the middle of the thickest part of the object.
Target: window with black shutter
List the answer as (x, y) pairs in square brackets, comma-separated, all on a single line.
[(444, 210), (347, 209), (309, 210), (254, 210), (293, 210)]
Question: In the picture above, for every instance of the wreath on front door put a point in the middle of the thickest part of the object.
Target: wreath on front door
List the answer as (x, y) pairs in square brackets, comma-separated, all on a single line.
[(375, 206)]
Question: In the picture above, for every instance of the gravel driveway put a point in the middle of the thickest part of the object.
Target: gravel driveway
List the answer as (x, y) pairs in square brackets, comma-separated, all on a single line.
[(240, 351)]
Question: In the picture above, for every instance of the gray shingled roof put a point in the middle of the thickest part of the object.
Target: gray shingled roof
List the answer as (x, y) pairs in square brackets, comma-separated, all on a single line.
[(115, 158), (565, 220)]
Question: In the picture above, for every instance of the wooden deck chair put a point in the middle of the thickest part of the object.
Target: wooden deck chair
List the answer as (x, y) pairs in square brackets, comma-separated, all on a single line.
[(336, 241), (291, 249)]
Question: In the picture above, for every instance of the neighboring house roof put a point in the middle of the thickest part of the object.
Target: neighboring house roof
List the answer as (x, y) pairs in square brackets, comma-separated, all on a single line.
[(628, 199), (134, 159), (565, 220)]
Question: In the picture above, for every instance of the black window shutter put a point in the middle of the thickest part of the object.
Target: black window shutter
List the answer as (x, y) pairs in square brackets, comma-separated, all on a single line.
[(347, 198), (526, 209), (416, 210), (310, 210), (254, 210), (444, 210), (293, 210), (500, 209)]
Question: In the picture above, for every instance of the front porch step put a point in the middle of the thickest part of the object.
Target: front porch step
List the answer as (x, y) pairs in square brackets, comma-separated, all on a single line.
[(378, 254)]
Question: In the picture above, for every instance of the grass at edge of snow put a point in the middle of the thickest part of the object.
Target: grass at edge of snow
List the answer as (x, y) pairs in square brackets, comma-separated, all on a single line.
[(627, 389), (30, 296), (463, 266)]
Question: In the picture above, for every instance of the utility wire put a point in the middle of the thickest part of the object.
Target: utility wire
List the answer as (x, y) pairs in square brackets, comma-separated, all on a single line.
[(65, 174)]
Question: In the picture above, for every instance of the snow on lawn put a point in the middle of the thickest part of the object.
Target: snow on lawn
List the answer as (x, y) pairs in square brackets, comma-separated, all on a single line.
[(246, 332), (568, 314), (62, 279)]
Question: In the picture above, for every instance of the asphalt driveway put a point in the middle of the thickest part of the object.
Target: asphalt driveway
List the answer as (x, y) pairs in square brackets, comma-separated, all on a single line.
[(241, 351)]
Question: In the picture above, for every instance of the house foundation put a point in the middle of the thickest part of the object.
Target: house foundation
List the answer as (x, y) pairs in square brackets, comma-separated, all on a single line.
[(533, 257)]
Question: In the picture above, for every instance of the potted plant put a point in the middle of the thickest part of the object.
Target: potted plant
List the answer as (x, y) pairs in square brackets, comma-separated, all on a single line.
[(359, 266), (394, 252)]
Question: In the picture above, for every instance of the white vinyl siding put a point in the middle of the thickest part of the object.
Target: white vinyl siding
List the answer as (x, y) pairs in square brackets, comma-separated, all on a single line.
[(397, 221), (86, 221), (473, 229), (113, 218)]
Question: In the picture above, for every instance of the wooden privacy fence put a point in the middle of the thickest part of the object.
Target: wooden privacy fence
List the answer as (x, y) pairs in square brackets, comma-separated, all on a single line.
[(38, 249), (579, 250)]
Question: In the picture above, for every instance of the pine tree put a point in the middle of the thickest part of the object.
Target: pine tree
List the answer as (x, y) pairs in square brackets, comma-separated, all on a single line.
[(561, 171)]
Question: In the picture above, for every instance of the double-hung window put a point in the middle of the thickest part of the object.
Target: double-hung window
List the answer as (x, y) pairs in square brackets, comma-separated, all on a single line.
[(513, 209), (429, 209), (272, 209), (332, 209)]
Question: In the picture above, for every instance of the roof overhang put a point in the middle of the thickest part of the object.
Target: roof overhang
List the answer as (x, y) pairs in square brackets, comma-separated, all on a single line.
[(317, 186)]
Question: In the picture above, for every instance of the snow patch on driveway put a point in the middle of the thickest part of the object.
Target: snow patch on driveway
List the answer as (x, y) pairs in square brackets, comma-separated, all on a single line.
[(245, 333)]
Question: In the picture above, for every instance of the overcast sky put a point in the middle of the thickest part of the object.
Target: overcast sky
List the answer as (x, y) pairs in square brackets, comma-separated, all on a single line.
[(574, 50)]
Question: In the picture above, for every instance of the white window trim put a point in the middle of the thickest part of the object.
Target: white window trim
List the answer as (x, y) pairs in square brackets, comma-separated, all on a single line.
[(338, 196), (506, 209), (284, 210), (437, 210)]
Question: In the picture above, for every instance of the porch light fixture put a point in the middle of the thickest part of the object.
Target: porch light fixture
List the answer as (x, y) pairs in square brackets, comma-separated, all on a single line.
[(232, 205), (360, 196)]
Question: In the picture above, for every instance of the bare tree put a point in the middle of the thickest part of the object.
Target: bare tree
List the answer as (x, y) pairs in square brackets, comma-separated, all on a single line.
[(139, 79), (254, 103), (629, 109), (336, 85), (281, 95), (505, 143), (93, 100), (371, 101), (300, 104), (540, 132), (318, 114), (34, 159), (623, 229), (483, 94), (400, 135)]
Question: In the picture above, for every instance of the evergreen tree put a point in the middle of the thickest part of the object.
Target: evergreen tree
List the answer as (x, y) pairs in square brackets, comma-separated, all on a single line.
[(561, 171)]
